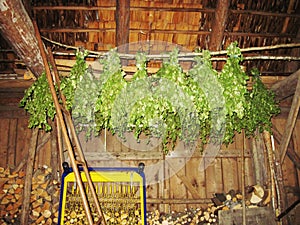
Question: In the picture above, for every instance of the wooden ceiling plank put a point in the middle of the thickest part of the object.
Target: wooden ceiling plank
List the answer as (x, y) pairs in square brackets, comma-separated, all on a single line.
[(290, 124), (219, 24)]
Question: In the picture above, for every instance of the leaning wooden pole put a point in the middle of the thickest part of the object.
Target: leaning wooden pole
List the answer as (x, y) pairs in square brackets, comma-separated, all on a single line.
[(64, 130), (28, 179), (276, 173), (76, 140)]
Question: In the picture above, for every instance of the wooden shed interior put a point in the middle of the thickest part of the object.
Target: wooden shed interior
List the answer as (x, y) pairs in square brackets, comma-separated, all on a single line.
[(268, 36)]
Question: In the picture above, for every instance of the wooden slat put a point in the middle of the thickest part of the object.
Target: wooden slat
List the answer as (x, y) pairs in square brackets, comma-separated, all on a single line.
[(12, 140), (214, 178), (4, 127), (229, 173)]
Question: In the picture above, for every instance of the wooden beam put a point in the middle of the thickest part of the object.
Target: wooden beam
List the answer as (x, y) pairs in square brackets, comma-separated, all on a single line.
[(14, 83), (219, 25), (122, 24), (290, 124), (17, 28), (287, 87), (294, 157)]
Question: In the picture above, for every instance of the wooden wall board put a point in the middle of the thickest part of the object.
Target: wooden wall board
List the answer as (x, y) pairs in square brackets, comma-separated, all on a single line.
[(4, 127), (12, 140), (214, 178), (230, 174), (23, 137), (178, 189)]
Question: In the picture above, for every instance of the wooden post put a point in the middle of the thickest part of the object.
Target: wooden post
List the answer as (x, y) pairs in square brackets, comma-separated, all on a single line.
[(294, 157), (122, 24), (17, 29), (290, 123), (219, 25), (28, 179)]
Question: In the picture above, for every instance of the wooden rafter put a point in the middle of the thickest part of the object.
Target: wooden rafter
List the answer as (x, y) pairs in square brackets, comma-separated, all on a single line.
[(294, 157), (219, 24), (17, 28), (290, 124), (287, 87), (122, 23)]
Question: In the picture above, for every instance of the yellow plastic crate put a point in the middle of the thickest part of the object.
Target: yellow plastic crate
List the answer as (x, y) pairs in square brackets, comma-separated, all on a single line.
[(121, 193)]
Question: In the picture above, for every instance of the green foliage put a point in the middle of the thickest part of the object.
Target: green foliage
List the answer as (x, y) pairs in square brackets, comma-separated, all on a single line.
[(171, 104), (38, 102), (234, 81), (261, 106), (111, 83), (69, 83)]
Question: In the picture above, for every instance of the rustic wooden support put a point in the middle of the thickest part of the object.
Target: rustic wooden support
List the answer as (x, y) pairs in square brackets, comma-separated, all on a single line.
[(122, 24), (287, 87), (28, 179), (17, 29), (290, 124), (294, 157), (218, 25)]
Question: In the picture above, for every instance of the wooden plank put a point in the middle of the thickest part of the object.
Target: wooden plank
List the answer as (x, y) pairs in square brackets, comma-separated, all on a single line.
[(12, 140), (290, 124), (178, 183), (23, 137), (197, 180), (9, 83), (214, 178), (4, 126), (230, 171)]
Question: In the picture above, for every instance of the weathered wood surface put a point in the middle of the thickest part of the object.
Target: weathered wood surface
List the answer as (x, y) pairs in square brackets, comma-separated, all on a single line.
[(169, 194), (291, 121), (16, 26), (219, 24), (122, 24), (287, 87), (28, 179)]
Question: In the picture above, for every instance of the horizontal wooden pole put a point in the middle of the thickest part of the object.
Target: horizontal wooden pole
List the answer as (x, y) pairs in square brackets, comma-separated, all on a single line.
[(178, 201), (15, 83), (167, 31), (170, 9), (155, 155)]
